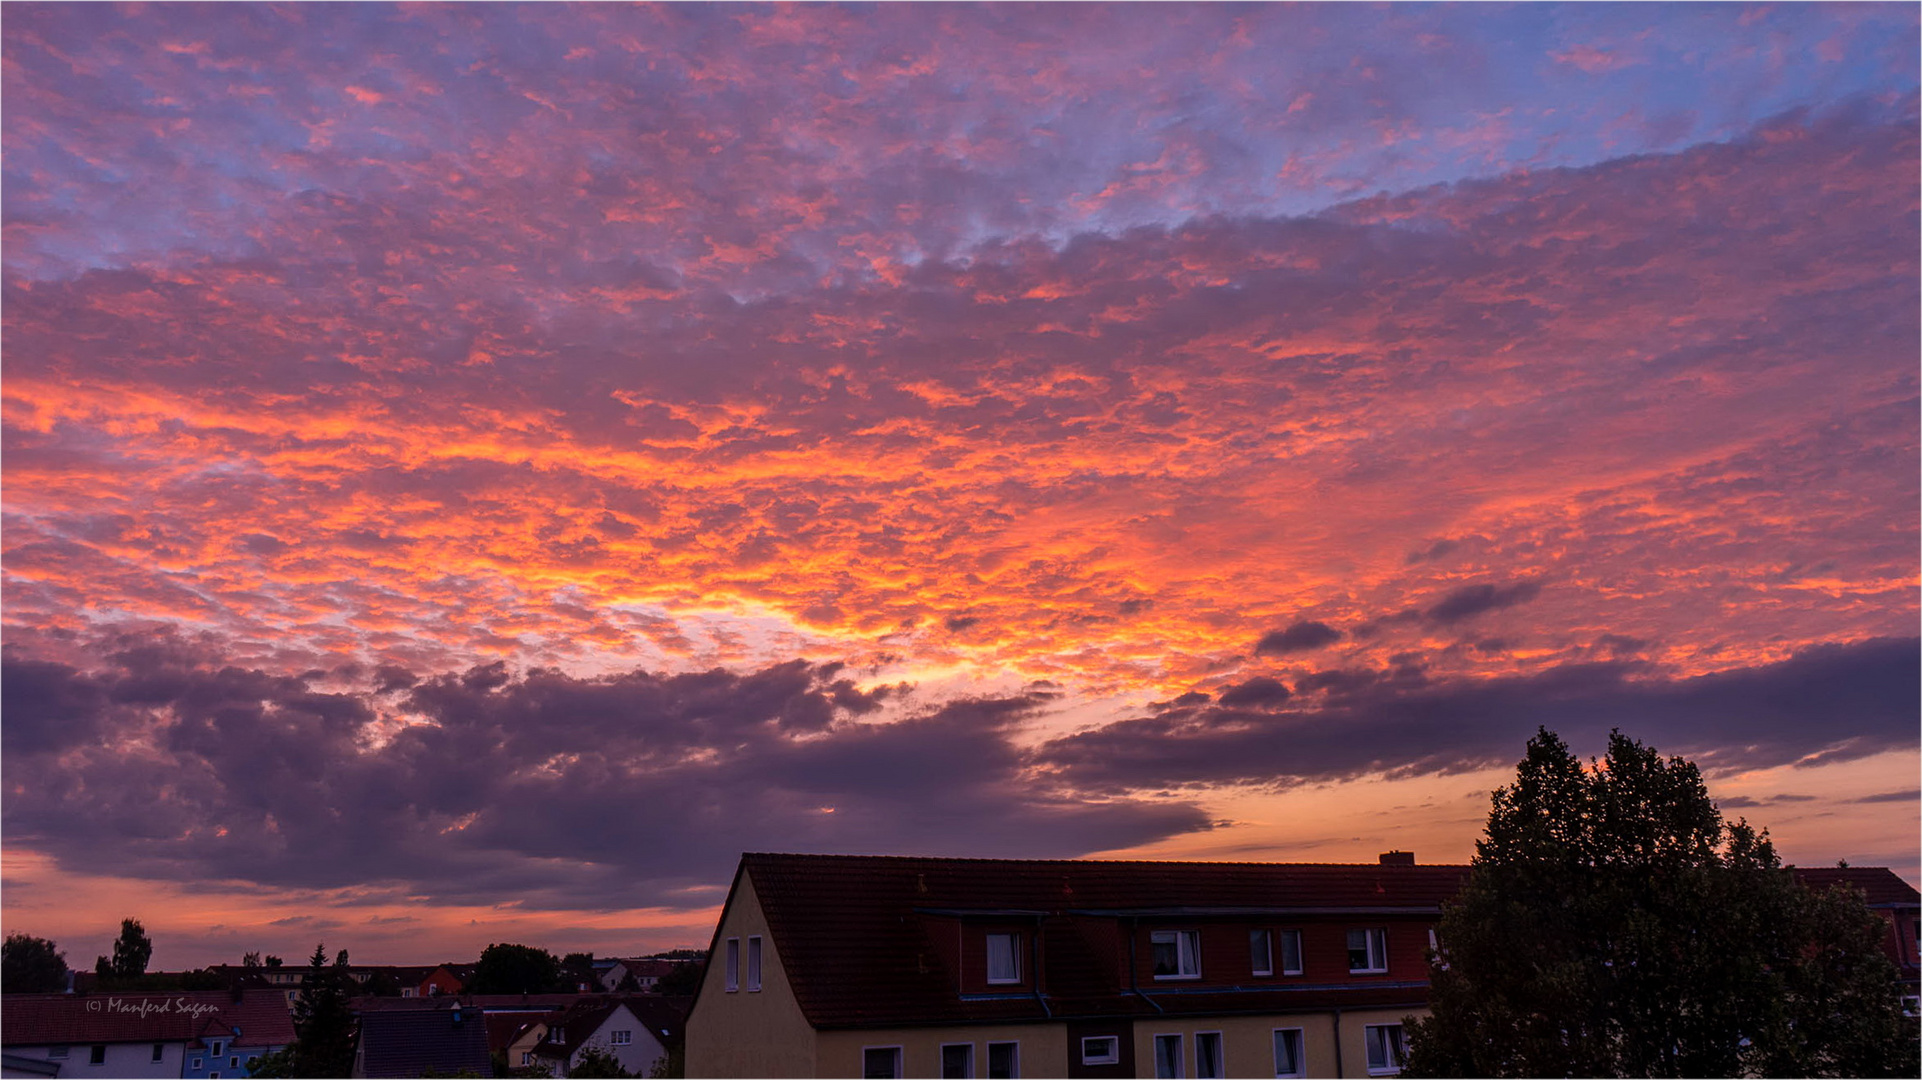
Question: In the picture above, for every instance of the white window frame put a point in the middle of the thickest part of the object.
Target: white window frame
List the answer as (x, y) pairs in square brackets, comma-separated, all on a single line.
[(1374, 945), (1261, 964), (942, 1064), (1374, 1037), (1014, 956), (620, 1038), (900, 1059), (754, 964), (731, 968), (1187, 945), (1014, 1053), (1180, 1055), (1300, 962), (1301, 1051), (1221, 1055), (1111, 1057)]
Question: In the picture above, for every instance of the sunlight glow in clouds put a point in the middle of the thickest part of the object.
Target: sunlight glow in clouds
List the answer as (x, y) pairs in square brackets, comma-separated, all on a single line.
[(521, 456)]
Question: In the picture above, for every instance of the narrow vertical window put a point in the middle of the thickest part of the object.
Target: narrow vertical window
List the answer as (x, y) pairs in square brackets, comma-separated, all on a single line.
[(1167, 1057), (732, 967), (1004, 1060), (159, 1049), (1208, 1055), (1288, 1057), (1261, 953), (1291, 952), (1004, 958), (753, 964), (957, 1061)]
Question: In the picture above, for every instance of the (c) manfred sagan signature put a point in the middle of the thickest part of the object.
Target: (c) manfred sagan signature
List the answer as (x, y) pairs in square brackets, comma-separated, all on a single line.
[(150, 1006)]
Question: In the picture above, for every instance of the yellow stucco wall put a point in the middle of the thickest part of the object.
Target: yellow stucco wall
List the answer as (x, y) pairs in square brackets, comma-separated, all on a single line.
[(1248, 1041), (1044, 1048), (748, 1033)]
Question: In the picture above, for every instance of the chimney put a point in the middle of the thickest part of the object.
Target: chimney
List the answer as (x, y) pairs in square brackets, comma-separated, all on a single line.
[(1398, 858)]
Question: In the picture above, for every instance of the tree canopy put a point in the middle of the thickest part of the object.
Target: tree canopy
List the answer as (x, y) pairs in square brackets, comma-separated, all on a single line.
[(31, 965), (517, 969), (131, 951), (1614, 925), (324, 1030)]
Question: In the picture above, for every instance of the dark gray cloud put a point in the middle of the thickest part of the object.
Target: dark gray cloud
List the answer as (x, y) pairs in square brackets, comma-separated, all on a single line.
[(1825, 703), (1300, 637), (542, 788), (1911, 795), (1472, 600)]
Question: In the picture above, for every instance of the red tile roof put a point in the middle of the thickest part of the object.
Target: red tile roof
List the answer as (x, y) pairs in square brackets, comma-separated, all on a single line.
[(855, 932), (857, 935), (1879, 884), (39, 1019)]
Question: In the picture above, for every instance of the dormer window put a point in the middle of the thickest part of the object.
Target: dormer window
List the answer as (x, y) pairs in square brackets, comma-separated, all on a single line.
[(1176, 953), (1004, 958)]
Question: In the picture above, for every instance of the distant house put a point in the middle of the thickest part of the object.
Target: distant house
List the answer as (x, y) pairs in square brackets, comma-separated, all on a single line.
[(890, 967), (636, 1031), (415, 1042), (514, 1036), (646, 970), (444, 979), (208, 1033)]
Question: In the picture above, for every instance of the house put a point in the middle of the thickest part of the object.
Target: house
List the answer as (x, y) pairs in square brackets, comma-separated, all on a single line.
[(416, 1042), (514, 1036), (203, 1033), (636, 1032), (886, 967), (445, 979)]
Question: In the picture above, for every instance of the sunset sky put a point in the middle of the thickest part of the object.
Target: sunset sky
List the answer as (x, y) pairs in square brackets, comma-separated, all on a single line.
[(471, 472)]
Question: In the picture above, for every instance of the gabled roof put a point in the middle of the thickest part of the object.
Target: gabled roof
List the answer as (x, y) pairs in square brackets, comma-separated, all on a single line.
[(180, 1016), (853, 934), (445, 1041), (504, 1028), (1878, 883)]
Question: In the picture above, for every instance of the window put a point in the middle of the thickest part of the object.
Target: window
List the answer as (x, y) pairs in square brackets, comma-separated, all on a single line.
[(1177, 953), (1261, 953), (213, 1076), (97, 1055), (1384, 1048), (159, 1051), (880, 1062), (56, 1051), (1288, 1057), (1004, 1060), (622, 1038), (1208, 1055), (1004, 958), (196, 1065), (1291, 952), (1167, 1057), (556, 1035), (957, 1061), (233, 1063), (215, 1052), (1101, 1050), (754, 964), (527, 1057), (733, 965), (1367, 951)]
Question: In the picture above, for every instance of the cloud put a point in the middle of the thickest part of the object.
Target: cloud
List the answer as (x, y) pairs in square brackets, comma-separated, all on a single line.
[(1471, 600), (1830, 702), (1299, 637), (551, 790)]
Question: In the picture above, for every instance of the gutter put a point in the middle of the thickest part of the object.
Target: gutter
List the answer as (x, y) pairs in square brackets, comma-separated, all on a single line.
[(1338, 1071), (1034, 960), (1134, 983)]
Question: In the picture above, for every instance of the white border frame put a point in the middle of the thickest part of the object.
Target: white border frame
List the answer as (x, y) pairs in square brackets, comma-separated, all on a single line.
[(1394, 1070), (1181, 1053), (1194, 953), (900, 1058), (987, 1063), (1370, 931), (1301, 1057), (1086, 1060), (942, 1061)]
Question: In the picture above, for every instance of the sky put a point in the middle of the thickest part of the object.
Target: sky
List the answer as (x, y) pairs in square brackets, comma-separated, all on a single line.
[(470, 472)]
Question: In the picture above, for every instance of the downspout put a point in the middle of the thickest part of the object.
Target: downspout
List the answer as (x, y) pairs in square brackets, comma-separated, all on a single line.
[(1034, 965), (1134, 984), (1338, 1071)]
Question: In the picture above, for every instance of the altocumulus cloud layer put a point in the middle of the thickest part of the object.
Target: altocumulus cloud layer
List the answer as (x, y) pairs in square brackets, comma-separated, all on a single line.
[(535, 452)]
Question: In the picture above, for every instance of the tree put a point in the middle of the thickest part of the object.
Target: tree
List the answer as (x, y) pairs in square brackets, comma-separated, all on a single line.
[(31, 965), (597, 1062), (577, 971), (683, 979), (131, 951), (323, 1019), (1613, 924), (516, 969)]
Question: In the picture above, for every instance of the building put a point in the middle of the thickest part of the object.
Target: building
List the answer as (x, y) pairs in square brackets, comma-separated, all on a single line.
[(419, 1042), (614, 1027), (201, 1033), (887, 967)]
